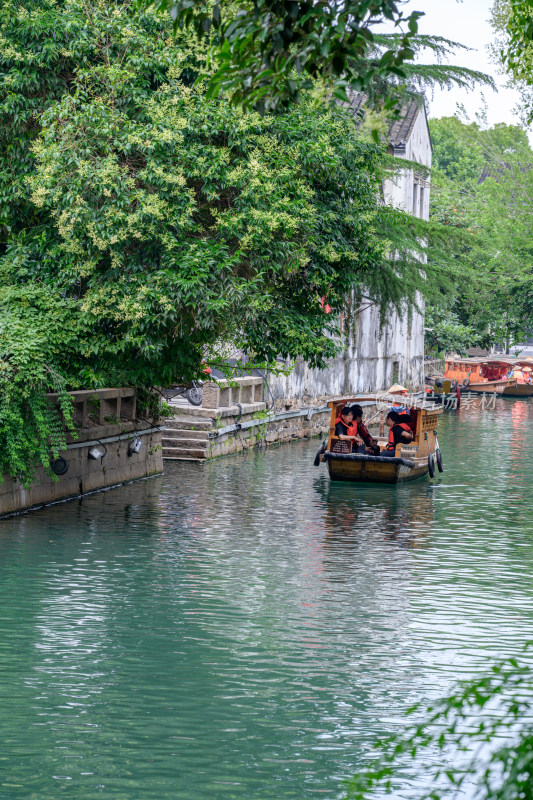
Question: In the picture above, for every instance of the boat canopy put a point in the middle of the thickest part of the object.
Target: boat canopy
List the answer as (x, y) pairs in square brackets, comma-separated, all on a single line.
[(386, 400)]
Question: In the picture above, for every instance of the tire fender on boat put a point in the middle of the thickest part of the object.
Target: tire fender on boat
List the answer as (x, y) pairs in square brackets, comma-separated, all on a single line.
[(320, 451), (465, 383), (431, 466), (438, 459)]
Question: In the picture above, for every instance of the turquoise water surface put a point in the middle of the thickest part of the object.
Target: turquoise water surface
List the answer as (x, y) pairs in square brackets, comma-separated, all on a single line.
[(247, 629)]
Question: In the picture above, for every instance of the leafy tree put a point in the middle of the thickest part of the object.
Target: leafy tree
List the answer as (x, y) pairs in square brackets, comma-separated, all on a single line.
[(267, 51), (513, 22), (483, 185), (144, 224), (445, 333), (455, 154), (427, 69)]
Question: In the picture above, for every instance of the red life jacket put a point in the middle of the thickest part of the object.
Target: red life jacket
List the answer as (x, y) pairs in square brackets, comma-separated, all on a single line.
[(405, 426), (352, 427)]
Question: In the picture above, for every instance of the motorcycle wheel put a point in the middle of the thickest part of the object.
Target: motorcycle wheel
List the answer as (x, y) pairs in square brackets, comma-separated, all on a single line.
[(194, 396)]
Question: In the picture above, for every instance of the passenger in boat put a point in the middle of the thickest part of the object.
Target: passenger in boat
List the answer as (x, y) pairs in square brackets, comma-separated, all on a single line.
[(409, 417), (346, 428), (399, 433), (370, 444)]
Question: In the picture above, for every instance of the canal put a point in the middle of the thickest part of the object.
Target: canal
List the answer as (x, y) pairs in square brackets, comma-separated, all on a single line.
[(245, 629)]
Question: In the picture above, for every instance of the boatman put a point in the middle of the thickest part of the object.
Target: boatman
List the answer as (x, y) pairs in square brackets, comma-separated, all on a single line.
[(399, 433)]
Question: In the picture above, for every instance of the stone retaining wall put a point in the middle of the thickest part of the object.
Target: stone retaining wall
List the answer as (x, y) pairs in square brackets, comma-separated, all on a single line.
[(106, 419), (197, 434), (268, 431)]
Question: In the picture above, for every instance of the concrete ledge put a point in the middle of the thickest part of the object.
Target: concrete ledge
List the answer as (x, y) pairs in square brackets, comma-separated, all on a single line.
[(225, 393), (221, 412)]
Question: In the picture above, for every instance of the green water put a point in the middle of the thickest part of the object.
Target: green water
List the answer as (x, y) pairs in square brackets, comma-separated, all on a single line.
[(246, 629)]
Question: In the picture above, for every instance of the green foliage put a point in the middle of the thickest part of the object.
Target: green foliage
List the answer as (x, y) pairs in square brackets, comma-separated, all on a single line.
[(32, 429), (477, 742), (455, 154), (513, 22), (416, 76), (267, 51), (445, 333), (483, 187)]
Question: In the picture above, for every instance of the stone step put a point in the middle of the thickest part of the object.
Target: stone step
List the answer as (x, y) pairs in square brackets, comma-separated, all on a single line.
[(178, 441), (189, 424), (183, 458), (176, 433), (187, 452)]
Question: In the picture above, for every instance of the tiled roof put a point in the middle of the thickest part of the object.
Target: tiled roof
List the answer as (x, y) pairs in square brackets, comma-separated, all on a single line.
[(399, 129)]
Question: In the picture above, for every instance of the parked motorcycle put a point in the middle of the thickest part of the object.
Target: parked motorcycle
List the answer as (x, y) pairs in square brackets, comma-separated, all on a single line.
[(193, 392)]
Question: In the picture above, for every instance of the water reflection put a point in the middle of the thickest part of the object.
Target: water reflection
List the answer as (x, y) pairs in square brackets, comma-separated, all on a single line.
[(397, 514)]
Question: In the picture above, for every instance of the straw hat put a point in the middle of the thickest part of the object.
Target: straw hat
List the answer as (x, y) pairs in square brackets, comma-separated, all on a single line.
[(397, 389), (526, 369)]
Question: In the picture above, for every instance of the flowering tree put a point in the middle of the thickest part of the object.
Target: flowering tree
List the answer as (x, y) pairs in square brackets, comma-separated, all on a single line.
[(143, 223)]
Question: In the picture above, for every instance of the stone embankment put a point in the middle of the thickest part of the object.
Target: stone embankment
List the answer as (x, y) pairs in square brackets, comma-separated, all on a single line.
[(233, 417), (107, 424)]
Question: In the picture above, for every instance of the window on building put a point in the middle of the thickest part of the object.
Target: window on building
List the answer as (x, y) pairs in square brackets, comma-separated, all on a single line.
[(421, 214), (415, 199)]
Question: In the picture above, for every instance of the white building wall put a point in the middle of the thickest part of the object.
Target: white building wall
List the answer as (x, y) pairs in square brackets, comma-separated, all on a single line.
[(375, 358), (401, 191)]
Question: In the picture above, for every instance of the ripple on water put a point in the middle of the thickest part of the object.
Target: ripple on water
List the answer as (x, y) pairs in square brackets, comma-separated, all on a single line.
[(247, 629)]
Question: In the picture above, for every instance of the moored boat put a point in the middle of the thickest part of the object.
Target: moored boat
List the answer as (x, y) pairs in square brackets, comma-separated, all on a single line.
[(520, 371), (479, 375), (518, 390), (439, 390), (410, 461)]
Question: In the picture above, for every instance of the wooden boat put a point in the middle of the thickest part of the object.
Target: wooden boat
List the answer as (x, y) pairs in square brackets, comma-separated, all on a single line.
[(521, 371), (411, 461), (479, 375), (439, 390), (520, 389)]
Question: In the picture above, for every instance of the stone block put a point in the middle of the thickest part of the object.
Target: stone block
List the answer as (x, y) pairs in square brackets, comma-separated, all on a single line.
[(247, 393), (128, 407), (109, 410), (226, 397), (210, 395)]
